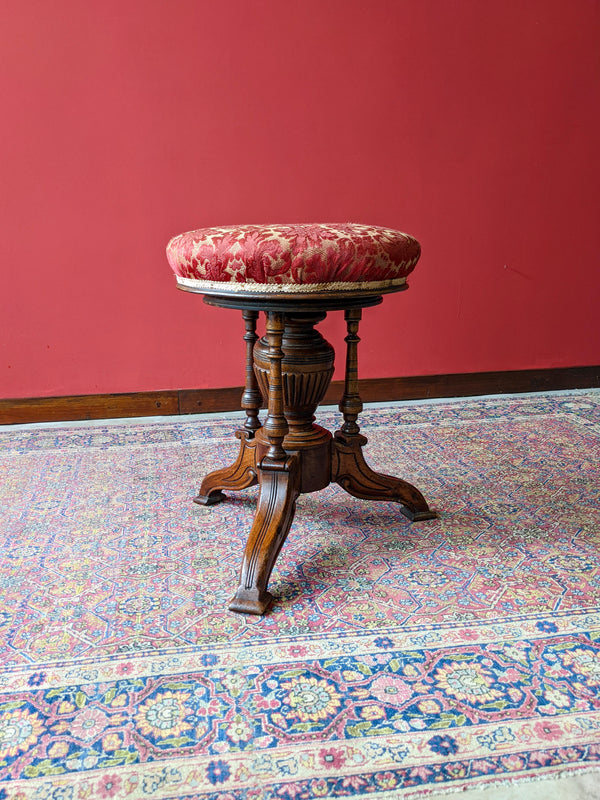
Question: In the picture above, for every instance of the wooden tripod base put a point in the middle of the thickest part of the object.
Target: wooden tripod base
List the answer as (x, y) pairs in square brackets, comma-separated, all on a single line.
[(290, 455)]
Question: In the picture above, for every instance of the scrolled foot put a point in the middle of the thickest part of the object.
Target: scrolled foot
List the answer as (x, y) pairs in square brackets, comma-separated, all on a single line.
[(238, 476), (216, 496)]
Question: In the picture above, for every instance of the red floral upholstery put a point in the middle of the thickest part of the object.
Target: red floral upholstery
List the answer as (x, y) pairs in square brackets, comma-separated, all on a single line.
[(293, 259)]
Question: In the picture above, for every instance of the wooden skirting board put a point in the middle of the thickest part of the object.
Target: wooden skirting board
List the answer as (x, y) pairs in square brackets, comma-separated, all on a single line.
[(195, 401)]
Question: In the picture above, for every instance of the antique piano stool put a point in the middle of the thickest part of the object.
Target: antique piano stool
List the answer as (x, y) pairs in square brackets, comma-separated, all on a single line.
[(295, 274)]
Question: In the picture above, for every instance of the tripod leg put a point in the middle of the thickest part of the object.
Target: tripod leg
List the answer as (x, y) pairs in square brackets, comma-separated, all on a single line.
[(242, 473), (349, 468)]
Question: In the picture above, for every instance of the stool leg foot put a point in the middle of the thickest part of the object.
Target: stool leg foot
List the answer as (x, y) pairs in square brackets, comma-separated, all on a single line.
[(352, 473), (238, 476), (279, 489)]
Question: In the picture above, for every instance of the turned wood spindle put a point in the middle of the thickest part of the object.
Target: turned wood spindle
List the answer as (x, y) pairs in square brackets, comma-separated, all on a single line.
[(276, 425), (251, 398), (351, 404)]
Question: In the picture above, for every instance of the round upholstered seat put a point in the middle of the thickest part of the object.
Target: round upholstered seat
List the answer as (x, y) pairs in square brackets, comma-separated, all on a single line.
[(293, 260)]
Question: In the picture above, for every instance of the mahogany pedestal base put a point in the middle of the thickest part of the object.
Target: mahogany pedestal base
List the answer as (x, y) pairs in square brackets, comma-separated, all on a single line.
[(291, 366)]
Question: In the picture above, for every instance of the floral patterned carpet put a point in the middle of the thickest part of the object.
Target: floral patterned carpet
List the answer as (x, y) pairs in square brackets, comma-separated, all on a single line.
[(399, 658)]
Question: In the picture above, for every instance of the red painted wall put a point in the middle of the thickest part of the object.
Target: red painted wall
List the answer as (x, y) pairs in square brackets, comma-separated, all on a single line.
[(473, 125)]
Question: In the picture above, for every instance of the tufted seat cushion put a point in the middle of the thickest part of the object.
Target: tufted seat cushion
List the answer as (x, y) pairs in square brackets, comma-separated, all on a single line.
[(293, 259)]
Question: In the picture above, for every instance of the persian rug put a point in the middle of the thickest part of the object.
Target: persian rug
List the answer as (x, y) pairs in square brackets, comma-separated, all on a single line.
[(399, 659)]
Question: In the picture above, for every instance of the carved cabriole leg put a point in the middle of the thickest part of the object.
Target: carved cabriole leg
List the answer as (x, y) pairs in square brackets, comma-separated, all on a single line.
[(274, 514), (279, 479), (242, 473), (349, 468)]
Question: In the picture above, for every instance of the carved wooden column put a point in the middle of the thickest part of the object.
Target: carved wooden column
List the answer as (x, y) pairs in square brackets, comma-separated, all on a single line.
[(276, 425), (306, 370)]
